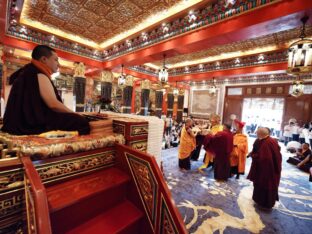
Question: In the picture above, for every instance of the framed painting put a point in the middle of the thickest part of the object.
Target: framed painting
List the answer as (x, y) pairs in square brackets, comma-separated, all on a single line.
[(203, 104)]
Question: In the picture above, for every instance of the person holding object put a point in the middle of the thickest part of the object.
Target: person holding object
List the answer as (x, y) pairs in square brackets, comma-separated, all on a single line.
[(187, 145)]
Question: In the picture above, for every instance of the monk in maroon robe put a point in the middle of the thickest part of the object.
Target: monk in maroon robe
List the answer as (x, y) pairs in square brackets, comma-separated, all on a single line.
[(266, 167), (34, 105), (221, 145)]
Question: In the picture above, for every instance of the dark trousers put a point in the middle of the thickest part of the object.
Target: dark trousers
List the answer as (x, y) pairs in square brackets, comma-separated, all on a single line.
[(196, 152), (287, 139), (301, 140), (185, 163), (295, 137)]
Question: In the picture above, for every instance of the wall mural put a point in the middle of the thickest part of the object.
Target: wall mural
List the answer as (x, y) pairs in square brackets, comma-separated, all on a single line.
[(202, 104)]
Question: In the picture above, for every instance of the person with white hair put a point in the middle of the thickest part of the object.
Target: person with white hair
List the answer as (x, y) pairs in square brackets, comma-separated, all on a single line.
[(265, 170)]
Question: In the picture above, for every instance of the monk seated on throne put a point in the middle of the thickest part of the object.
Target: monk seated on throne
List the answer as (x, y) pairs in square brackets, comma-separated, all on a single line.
[(34, 105)]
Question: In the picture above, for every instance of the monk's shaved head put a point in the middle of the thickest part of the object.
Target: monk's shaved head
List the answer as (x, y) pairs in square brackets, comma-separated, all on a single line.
[(188, 122), (263, 132)]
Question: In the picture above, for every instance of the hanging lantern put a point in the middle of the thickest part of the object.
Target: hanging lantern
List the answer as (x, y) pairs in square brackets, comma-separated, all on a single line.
[(122, 77), (213, 88), (176, 90), (297, 88), (300, 53), (163, 73)]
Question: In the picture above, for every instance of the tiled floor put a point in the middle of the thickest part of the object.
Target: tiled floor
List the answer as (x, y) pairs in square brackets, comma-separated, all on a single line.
[(208, 206)]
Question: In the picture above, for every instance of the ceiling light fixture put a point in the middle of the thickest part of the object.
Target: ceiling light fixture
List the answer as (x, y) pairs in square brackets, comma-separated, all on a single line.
[(300, 59), (163, 73), (213, 88), (122, 77), (300, 53)]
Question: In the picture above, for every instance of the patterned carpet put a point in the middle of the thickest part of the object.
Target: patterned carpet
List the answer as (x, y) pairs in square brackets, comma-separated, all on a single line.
[(208, 206)]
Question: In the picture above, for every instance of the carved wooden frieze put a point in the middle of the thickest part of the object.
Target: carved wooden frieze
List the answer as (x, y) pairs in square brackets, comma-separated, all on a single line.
[(139, 145), (119, 128), (146, 184), (11, 179), (57, 170), (138, 130), (167, 225)]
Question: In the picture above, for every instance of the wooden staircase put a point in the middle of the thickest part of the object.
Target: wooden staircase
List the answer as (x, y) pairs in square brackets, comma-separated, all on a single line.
[(128, 196), (94, 203)]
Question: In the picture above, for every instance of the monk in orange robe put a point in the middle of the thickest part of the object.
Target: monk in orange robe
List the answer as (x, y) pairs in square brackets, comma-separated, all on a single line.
[(265, 170), (187, 145), (240, 150), (215, 128)]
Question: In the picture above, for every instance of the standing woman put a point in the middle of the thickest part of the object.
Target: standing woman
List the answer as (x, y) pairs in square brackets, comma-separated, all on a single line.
[(240, 150)]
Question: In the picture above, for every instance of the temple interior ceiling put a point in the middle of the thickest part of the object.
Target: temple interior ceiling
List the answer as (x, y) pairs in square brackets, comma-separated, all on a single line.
[(102, 25), (99, 21), (275, 41)]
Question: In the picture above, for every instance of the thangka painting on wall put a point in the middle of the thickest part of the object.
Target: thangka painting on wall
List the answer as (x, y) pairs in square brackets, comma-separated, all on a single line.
[(203, 103)]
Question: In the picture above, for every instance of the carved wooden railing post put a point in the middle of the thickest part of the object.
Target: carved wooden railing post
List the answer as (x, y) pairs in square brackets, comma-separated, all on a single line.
[(37, 209), (80, 86), (145, 91), (163, 215), (170, 101), (127, 94), (159, 103)]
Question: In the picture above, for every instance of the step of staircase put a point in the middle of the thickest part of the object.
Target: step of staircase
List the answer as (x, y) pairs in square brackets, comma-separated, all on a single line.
[(123, 218), (77, 200)]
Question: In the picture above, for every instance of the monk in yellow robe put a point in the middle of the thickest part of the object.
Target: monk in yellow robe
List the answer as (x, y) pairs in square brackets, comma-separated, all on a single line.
[(215, 128), (187, 145), (240, 150)]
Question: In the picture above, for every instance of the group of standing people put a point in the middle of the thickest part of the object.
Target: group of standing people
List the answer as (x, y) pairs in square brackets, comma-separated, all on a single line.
[(294, 132), (226, 152)]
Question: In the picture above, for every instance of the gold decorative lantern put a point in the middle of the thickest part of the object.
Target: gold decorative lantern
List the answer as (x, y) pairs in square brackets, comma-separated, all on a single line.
[(300, 53), (122, 77), (297, 88), (163, 73)]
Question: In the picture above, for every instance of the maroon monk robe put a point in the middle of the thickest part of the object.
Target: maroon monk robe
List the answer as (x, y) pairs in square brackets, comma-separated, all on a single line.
[(26, 112), (221, 145), (265, 171)]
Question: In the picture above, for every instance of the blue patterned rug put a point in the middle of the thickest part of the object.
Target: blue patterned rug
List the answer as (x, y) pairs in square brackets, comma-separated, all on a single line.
[(208, 206)]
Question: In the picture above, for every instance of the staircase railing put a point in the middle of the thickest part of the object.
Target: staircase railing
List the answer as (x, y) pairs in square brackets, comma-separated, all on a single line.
[(38, 218), (155, 196)]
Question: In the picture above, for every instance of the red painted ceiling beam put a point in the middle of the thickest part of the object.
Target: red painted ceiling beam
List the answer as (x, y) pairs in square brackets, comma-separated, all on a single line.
[(140, 75), (262, 21), (25, 45), (229, 73)]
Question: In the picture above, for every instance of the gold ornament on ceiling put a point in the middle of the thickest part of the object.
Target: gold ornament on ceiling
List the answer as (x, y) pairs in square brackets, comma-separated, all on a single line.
[(269, 42), (129, 80), (79, 70), (145, 84), (107, 76), (95, 22)]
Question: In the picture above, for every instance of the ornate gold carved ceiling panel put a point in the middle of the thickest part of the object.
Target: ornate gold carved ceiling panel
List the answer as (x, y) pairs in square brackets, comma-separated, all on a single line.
[(95, 20), (277, 40)]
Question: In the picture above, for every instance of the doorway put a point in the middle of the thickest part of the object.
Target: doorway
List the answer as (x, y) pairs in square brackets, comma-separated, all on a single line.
[(263, 112)]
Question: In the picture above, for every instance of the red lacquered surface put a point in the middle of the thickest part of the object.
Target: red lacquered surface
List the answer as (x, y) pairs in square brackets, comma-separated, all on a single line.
[(115, 220), (78, 189)]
